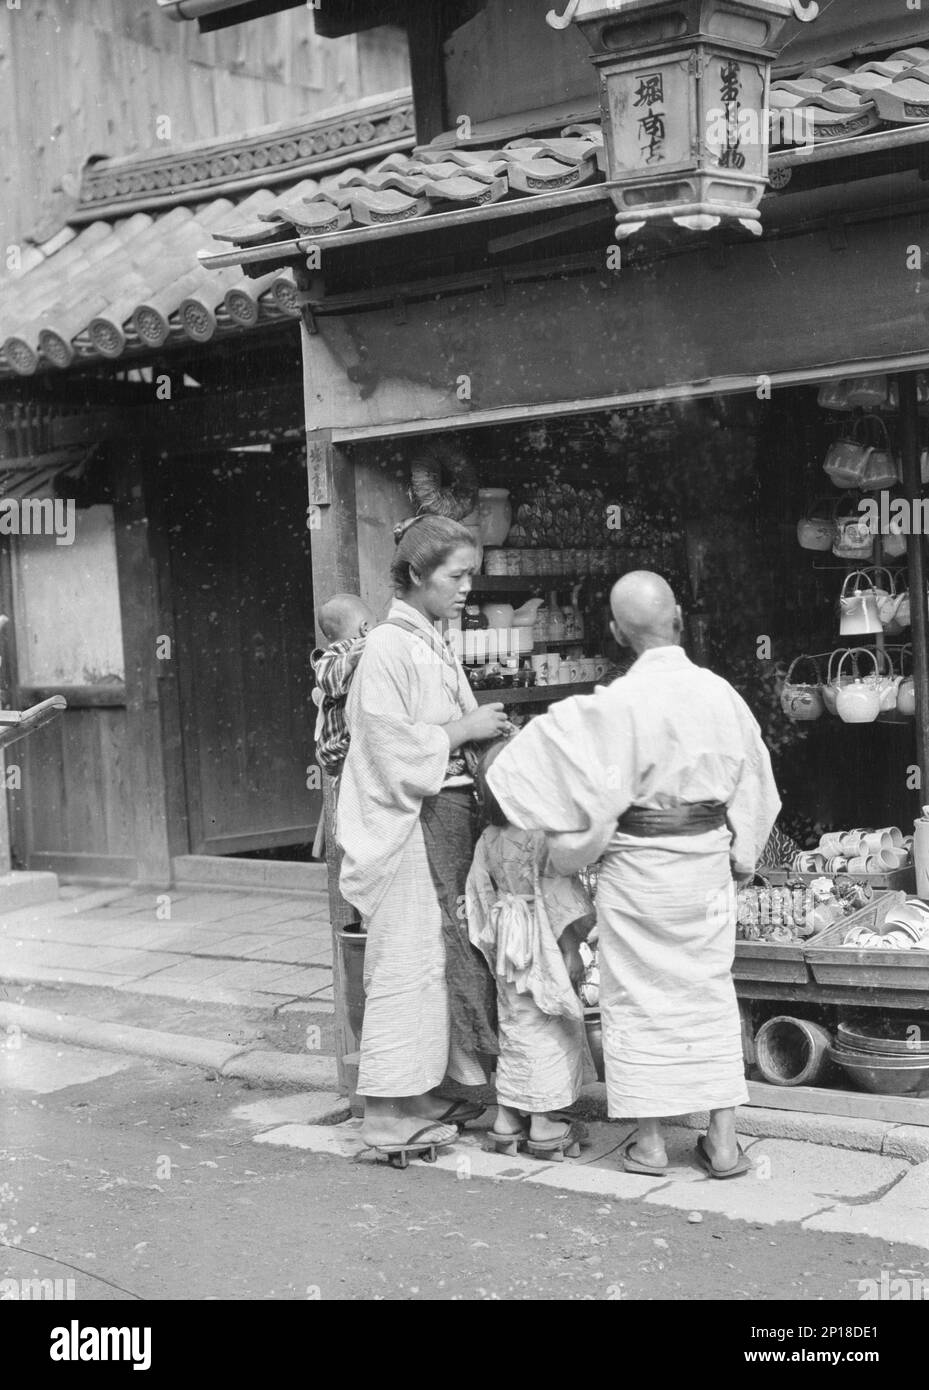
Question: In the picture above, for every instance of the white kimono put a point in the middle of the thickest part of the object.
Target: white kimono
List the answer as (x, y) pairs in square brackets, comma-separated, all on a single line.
[(518, 906), (400, 694), (668, 733)]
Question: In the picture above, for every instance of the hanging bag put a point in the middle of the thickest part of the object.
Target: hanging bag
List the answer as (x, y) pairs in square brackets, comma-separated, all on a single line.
[(853, 537), (802, 701), (816, 528)]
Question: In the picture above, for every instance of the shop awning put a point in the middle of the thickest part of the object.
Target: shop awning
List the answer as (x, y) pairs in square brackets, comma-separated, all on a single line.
[(122, 277)]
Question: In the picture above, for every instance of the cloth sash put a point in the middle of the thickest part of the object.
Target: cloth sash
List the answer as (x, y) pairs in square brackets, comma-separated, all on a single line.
[(511, 921), (692, 819), (448, 833)]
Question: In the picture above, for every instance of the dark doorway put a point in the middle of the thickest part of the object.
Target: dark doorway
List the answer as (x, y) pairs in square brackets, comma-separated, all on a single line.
[(243, 604)]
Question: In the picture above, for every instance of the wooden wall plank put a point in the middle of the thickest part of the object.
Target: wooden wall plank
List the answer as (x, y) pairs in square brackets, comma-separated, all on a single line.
[(84, 77)]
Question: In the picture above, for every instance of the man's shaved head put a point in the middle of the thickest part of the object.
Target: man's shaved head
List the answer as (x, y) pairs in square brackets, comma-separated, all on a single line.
[(645, 612), (343, 616)]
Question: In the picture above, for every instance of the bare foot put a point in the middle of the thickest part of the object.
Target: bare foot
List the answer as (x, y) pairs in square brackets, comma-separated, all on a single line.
[(509, 1120), (721, 1142), (654, 1155), (546, 1127)]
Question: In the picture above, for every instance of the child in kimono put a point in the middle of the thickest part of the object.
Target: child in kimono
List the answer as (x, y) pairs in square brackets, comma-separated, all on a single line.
[(529, 921), (345, 621)]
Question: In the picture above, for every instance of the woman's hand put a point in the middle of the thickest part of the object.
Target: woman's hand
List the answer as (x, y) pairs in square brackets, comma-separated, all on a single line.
[(482, 725)]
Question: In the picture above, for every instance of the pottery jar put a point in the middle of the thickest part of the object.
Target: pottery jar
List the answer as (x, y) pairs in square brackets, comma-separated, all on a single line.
[(496, 513)]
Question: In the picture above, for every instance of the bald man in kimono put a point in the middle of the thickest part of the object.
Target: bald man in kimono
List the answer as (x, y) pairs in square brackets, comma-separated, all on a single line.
[(664, 778)]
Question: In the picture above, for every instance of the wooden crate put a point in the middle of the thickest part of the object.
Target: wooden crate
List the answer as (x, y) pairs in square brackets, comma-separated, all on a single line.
[(902, 880), (757, 960), (834, 964)]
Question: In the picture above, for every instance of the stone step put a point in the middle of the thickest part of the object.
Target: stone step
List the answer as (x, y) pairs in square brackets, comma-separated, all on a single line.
[(277, 876), (24, 889)]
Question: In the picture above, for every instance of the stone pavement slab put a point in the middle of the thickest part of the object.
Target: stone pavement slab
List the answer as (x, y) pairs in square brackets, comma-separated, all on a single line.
[(230, 947), (868, 1194), (44, 1067)]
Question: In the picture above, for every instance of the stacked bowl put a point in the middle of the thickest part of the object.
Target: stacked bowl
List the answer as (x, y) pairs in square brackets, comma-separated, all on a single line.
[(887, 1056)]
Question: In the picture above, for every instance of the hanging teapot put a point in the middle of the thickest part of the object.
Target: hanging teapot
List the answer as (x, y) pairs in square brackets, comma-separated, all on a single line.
[(816, 528), (858, 608), (888, 682), (802, 701), (858, 700), (906, 693)]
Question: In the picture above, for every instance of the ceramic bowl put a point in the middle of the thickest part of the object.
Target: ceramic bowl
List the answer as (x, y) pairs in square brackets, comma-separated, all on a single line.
[(887, 1038), (896, 1078)]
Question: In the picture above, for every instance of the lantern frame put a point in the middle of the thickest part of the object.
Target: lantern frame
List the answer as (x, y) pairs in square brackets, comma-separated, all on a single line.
[(684, 87)]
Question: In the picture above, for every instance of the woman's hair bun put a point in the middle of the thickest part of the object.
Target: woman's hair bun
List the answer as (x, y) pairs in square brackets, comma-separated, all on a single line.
[(402, 527)]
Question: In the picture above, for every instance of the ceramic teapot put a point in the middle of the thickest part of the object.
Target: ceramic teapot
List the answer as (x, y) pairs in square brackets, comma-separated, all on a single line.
[(858, 605), (859, 700), (499, 615), (525, 621), (802, 700), (906, 697)]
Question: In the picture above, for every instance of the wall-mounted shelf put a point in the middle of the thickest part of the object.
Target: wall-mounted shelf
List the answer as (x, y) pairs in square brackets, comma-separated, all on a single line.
[(533, 694), (525, 583)]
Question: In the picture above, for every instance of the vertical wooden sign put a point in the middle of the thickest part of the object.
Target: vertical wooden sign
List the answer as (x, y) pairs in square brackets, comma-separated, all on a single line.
[(319, 468)]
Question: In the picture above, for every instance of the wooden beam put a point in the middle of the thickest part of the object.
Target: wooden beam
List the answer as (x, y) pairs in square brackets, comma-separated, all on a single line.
[(825, 1100), (169, 698), (334, 554), (916, 561), (138, 601), (17, 806), (425, 31)]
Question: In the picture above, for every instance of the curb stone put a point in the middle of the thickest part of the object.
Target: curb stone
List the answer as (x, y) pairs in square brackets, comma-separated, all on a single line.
[(261, 1068), (910, 1142)]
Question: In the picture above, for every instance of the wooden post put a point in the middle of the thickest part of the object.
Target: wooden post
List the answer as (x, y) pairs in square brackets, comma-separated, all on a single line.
[(138, 602), (334, 553), (425, 29), (916, 560)]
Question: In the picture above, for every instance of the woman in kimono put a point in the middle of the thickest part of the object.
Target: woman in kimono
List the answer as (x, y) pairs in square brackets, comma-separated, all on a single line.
[(405, 826)]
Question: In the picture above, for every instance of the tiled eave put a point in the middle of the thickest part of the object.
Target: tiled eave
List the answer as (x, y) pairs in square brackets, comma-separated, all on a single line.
[(782, 163), (385, 231), (274, 155)]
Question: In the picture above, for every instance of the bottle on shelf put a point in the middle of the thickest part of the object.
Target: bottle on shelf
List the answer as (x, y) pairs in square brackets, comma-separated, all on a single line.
[(576, 620), (474, 626), (554, 623)]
